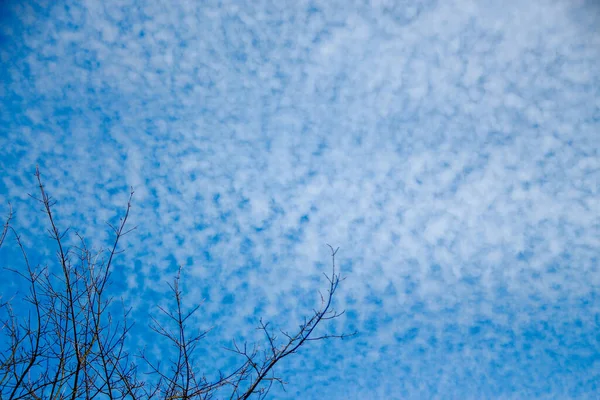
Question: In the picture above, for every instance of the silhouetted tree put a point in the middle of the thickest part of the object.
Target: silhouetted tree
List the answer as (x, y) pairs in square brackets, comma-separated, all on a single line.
[(64, 340)]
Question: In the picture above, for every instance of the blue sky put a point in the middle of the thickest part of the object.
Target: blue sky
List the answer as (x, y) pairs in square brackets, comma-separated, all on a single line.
[(450, 148)]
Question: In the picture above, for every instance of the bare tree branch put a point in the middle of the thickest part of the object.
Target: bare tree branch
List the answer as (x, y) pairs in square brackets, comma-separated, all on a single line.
[(68, 338)]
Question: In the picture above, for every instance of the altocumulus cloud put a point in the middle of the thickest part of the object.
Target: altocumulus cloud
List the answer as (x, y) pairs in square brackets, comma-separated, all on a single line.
[(450, 148)]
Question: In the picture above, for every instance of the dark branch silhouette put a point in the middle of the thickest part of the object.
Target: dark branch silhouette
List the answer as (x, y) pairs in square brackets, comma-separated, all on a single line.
[(68, 338)]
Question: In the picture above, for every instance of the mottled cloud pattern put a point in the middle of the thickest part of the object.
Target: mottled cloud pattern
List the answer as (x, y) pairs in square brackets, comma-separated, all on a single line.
[(450, 148)]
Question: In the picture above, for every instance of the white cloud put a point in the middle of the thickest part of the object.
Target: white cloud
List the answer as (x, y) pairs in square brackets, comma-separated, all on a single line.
[(449, 149)]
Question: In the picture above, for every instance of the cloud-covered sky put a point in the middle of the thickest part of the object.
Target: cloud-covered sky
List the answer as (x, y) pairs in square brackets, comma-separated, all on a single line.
[(450, 148)]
